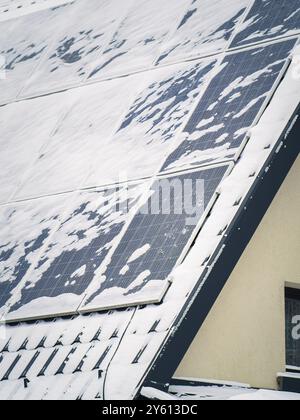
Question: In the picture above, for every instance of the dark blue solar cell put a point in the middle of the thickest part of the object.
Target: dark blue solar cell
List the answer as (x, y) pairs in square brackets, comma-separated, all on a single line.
[(156, 237), (269, 19), (230, 105)]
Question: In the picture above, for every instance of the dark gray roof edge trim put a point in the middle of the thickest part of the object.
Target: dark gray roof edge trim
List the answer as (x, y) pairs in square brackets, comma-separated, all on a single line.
[(205, 382), (251, 212)]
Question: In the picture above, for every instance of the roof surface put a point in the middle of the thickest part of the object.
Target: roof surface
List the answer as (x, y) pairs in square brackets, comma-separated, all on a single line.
[(198, 87)]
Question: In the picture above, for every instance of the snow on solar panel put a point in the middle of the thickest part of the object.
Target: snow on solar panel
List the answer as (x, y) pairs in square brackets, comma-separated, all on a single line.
[(81, 140), (85, 233), (23, 42), (155, 240), (10, 9), (152, 123), (76, 45), (269, 19), (231, 104), (25, 131), (205, 28), (136, 43), (24, 229)]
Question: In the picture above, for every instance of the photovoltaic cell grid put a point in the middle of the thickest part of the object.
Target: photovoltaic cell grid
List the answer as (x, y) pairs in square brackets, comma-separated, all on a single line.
[(269, 19), (230, 105), (83, 235), (155, 240)]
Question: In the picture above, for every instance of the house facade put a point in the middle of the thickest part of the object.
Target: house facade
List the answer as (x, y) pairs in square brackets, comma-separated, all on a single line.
[(247, 336)]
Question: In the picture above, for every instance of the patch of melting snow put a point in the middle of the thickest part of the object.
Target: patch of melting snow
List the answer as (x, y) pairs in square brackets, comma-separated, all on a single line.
[(139, 253), (124, 270), (79, 272)]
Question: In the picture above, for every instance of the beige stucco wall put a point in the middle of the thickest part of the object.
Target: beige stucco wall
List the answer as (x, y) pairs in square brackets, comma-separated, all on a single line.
[(243, 338)]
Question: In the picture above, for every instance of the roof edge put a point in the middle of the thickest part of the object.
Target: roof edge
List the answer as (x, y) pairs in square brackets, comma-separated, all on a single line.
[(228, 253)]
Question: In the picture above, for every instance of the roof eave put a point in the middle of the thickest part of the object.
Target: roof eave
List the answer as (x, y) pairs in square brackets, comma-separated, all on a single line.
[(228, 253)]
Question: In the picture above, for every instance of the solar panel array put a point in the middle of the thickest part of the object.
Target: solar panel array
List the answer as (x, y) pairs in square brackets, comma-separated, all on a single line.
[(124, 102), (83, 234), (230, 105)]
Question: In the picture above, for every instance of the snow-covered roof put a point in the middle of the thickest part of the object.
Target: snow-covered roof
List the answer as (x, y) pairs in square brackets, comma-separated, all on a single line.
[(145, 78)]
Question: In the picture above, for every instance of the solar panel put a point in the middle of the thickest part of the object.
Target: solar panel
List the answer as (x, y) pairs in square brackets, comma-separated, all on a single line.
[(25, 130), (205, 28), (81, 140), (135, 44), (231, 104), (269, 19), (24, 229), (152, 122), (76, 45), (22, 44), (73, 254), (156, 240)]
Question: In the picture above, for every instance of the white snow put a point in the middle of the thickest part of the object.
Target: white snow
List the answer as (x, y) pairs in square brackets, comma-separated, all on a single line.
[(139, 253), (79, 272), (201, 34), (11, 9), (136, 42), (44, 307), (115, 297), (84, 34), (124, 270), (231, 393), (155, 394)]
